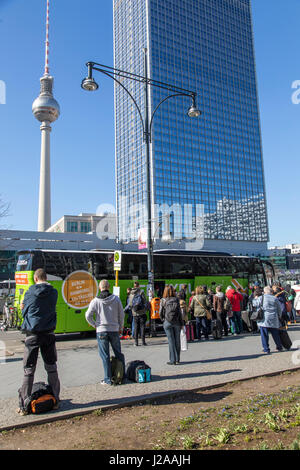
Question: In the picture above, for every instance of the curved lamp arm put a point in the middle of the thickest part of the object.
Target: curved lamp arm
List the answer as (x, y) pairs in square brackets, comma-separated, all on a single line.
[(162, 101), (127, 91)]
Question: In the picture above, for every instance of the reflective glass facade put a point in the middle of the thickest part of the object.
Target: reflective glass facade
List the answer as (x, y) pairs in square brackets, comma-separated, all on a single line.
[(215, 160)]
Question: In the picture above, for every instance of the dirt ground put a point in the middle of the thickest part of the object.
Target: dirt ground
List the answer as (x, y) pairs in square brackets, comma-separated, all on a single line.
[(256, 414)]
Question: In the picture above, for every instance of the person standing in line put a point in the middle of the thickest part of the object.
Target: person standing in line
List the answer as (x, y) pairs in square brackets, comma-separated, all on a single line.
[(218, 306), (106, 314), (297, 302), (39, 323), (171, 316), (236, 300), (128, 310), (271, 321), (183, 307), (138, 304), (250, 310), (200, 306), (182, 292), (280, 294), (190, 301)]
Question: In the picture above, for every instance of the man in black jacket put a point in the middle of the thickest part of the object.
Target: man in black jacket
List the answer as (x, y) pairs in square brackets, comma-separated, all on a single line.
[(39, 323)]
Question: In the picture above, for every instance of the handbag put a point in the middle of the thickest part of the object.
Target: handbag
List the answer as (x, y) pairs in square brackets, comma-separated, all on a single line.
[(207, 312), (183, 340), (258, 315)]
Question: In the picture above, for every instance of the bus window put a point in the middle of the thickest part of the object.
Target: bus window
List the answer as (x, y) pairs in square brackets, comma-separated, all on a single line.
[(24, 262), (143, 268)]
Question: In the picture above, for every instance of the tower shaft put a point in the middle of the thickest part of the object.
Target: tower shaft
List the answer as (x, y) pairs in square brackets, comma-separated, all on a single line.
[(44, 215)]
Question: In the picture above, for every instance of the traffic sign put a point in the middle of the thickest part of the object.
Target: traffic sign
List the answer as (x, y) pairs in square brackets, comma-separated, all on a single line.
[(117, 260)]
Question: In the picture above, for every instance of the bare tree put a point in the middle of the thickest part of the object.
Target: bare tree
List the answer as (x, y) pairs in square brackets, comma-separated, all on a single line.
[(4, 212), (4, 208)]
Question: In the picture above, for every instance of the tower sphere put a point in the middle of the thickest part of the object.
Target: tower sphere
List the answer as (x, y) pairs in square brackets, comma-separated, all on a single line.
[(45, 107)]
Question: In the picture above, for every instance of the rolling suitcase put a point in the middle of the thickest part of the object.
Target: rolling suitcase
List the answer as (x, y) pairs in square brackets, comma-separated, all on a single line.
[(285, 339), (217, 329), (189, 331)]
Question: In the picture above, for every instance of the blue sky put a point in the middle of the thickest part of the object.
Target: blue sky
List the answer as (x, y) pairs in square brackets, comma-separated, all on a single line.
[(82, 140)]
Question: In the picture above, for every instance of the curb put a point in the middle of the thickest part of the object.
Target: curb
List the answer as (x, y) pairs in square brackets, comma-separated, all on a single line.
[(136, 401)]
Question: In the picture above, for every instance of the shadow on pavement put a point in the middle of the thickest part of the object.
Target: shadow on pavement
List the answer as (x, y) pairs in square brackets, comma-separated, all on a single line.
[(232, 358), (158, 378)]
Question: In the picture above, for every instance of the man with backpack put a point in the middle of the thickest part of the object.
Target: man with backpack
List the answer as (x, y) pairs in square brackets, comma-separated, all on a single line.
[(39, 323), (138, 304), (106, 314)]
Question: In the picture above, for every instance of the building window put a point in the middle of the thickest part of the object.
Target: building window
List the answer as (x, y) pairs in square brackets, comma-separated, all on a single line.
[(85, 227), (72, 227)]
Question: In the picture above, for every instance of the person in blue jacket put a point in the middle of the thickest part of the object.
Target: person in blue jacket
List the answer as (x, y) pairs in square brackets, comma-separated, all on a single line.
[(39, 323), (271, 321)]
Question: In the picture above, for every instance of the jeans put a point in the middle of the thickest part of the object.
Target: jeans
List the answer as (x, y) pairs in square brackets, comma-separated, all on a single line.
[(202, 325), (236, 323), (139, 327), (264, 333), (292, 314), (104, 340), (44, 342), (173, 335), (221, 316)]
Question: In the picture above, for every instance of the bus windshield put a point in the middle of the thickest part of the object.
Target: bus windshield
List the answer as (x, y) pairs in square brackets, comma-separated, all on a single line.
[(24, 262)]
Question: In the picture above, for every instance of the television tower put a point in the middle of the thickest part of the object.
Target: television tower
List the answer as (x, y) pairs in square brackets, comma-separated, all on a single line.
[(46, 110)]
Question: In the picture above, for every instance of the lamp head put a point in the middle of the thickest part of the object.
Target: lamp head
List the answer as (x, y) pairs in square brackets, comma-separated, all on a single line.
[(89, 84), (193, 110)]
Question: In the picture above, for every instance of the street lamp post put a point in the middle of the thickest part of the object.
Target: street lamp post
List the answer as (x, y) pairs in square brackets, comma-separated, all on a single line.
[(90, 84)]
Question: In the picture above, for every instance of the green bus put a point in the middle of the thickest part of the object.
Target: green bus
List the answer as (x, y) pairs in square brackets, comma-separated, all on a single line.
[(76, 276)]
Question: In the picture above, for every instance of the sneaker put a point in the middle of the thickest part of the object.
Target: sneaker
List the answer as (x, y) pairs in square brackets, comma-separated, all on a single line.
[(171, 363), (104, 383), (135, 345), (144, 344), (22, 412)]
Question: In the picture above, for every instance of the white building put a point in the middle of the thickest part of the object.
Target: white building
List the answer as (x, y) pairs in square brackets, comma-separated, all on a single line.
[(102, 224)]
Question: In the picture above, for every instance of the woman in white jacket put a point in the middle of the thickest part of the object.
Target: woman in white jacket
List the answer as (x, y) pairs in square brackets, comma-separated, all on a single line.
[(297, 303)]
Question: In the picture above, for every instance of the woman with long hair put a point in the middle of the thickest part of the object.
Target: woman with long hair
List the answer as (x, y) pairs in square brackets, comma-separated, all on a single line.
[(170, 314)]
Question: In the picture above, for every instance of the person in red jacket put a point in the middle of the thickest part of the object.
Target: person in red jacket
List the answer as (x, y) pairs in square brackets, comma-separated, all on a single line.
[(236, 300)]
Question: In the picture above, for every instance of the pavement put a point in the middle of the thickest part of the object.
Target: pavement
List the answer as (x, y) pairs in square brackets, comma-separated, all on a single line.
[(206, 364)]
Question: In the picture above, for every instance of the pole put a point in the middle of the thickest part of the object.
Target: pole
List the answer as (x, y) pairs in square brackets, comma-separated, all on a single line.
[(147, 145), (117, 278)]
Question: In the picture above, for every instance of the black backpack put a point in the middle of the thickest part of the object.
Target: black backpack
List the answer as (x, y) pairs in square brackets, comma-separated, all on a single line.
[(172, 309), (138, 302), (41, 399), (138, 371)]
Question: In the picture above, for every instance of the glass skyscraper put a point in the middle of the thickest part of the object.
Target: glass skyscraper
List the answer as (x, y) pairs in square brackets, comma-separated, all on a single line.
[(210, 165)]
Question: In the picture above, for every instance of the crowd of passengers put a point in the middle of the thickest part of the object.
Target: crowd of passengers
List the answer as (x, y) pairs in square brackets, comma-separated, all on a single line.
[(232, 308)]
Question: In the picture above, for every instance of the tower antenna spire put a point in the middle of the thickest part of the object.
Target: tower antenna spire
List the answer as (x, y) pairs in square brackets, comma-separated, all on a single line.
[(47, 40)]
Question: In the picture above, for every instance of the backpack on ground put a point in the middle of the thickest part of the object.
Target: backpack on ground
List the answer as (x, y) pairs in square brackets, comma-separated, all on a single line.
[(138, 371), (117, 371), (138, 302), (172, 309), (41, 399)]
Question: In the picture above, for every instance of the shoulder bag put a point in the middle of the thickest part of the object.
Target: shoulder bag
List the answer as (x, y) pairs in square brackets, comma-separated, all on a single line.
[(258, 315), (207, 312)]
